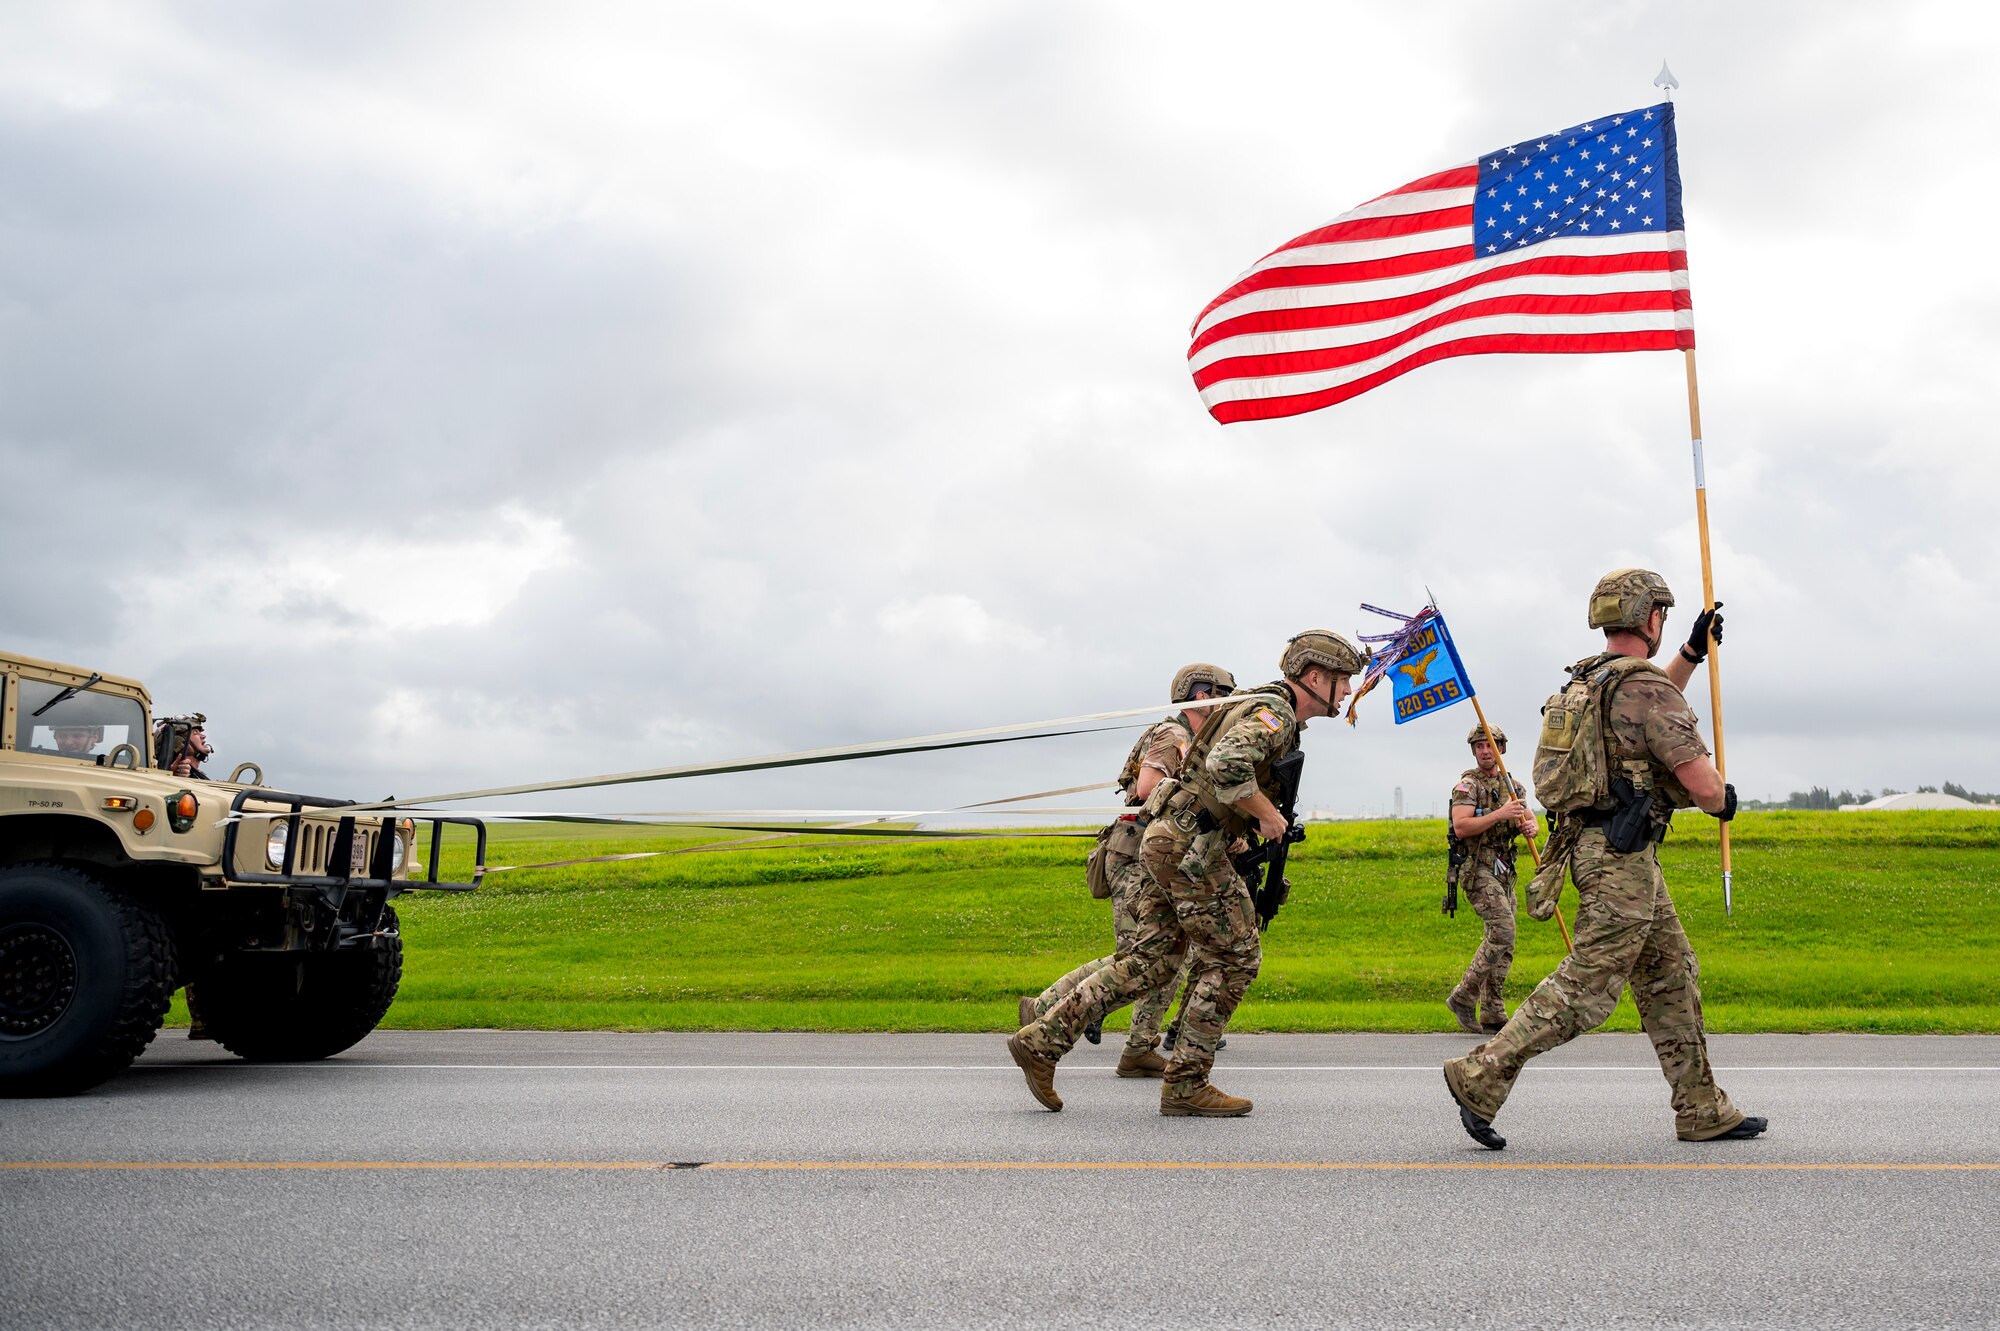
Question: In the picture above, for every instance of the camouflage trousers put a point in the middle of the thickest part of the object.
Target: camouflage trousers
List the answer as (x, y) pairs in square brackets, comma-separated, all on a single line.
[(1193, 909), (1128, 876), (1626, 932), (1492, 896)]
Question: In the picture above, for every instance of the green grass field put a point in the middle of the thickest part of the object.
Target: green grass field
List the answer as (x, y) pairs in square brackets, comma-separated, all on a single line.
[(1855, 922)]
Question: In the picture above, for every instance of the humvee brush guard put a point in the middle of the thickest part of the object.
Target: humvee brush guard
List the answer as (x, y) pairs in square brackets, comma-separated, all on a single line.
[(121, 882)]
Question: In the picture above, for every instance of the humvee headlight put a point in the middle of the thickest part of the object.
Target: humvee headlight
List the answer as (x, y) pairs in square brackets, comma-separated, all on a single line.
[(407, 827), (181, 810), (274, 844)]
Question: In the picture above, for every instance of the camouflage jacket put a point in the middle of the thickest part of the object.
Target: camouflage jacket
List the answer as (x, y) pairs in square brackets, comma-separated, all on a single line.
[(1483, 794), (1258, 729)]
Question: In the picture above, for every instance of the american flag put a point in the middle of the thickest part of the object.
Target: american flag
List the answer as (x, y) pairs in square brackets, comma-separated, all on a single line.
[(1566, 242)]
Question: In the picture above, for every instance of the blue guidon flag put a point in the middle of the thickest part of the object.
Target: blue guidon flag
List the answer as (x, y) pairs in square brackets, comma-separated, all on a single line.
[(1565, 242), (1420, 663)]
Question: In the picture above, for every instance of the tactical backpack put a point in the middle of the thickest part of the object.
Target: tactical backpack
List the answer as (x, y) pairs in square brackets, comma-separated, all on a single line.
[(1122, 837), (1121, 840), (1572, 762)]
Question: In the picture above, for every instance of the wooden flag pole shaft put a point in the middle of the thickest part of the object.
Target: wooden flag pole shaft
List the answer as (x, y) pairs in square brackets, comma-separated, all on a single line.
[(1708, 602), (1533, 852)]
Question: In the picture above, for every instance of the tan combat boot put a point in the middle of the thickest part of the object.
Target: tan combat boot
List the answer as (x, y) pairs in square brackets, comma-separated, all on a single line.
[(1027, 1012), (1040, 1072), (1492, 1016), (1743, 1129), (1467, 1015), (1477, 1126), (1145, 1063), (1203, 1102)]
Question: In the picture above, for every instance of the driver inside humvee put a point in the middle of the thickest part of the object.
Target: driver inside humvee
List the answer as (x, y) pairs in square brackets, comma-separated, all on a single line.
[(77, 741), (76, 721)]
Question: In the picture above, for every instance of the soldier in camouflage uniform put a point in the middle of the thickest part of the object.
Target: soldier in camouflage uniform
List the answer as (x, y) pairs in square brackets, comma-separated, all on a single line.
[(1195, 904), (1488, 810), (1626, 929), (1156, 756)]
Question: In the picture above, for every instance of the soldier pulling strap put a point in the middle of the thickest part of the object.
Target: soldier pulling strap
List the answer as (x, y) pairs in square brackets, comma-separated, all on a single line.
[(1262, 866)]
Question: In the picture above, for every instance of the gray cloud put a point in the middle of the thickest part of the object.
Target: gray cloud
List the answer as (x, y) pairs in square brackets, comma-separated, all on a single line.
[(477, 400)]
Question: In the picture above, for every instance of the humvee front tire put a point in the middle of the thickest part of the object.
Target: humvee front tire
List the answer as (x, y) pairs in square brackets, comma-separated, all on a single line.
[(85, 975), (286, 1008)]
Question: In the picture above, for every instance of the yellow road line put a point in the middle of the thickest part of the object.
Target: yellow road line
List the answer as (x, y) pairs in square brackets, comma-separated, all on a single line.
[(791, 1166), (60, 1165), (1351, 1165)]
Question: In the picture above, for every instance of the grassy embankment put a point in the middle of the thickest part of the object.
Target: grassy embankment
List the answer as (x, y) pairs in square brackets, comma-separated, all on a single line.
[(1859, 922)]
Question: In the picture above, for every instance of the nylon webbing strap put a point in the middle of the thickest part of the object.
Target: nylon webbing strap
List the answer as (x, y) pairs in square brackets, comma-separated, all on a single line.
[(889, 838), (727, 817), (778, 834), (1089, 723), (1038, 795), (712, 817)]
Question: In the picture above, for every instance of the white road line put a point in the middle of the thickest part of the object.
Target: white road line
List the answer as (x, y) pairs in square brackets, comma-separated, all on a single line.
[(1233, 1069)]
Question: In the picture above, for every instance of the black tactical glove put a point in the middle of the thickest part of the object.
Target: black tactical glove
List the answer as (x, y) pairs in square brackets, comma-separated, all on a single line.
[(1451, 900), (1728, 803), (1707, 623)]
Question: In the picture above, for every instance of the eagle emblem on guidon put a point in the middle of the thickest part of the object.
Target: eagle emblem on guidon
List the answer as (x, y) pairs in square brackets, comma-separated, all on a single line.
[(1418, 670)]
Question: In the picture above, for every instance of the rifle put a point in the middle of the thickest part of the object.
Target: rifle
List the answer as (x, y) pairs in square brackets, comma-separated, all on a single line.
[(1263, 864), (1456, 853)]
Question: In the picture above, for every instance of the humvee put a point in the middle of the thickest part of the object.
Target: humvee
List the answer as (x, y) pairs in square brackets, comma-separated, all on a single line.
[(121, 882)]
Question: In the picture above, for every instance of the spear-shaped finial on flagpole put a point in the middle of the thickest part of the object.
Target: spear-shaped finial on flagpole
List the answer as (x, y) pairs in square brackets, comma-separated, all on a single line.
[(1666, 80)]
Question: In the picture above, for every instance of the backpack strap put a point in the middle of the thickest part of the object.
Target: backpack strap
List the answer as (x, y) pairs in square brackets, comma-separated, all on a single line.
[(1193, 781), (1604, 682)]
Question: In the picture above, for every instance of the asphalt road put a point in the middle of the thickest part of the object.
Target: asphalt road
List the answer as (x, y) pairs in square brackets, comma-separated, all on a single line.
[(503, 1179)]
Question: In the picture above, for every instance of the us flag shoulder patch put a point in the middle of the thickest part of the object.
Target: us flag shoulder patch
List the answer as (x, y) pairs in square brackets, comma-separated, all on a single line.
[(1271, 722), (1463, 788)]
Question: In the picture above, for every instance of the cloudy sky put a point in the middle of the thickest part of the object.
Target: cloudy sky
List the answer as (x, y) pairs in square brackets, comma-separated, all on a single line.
[(442, 395)]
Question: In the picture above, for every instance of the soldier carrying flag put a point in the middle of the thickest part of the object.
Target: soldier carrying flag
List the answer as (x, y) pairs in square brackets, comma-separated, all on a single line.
[(1488, 811), (1619, 752), (1488, 807)]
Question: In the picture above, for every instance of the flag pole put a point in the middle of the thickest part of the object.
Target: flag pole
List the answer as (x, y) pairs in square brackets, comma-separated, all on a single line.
[(1708, 602), (1665, 80), (1533, 853)]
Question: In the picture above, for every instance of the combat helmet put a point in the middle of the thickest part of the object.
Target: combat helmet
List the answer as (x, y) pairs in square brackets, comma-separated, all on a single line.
[(171, 734), (1189, 677), (1478, 733), (1320, 647), (1625, 598)]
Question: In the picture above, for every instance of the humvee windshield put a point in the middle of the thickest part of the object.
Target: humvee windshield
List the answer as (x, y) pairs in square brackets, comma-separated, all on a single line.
[(85, 727)]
